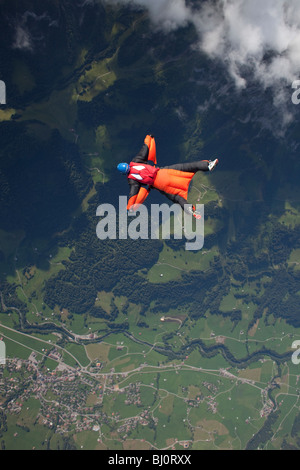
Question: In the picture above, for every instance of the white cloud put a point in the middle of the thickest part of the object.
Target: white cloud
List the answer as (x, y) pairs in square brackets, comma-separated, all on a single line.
[(28, 32), (22, 39), (239, 33), (247, 30), (165, 14)]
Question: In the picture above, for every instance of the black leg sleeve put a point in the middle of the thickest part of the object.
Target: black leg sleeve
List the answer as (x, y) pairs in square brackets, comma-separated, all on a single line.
[(178, 200), (200, 165)]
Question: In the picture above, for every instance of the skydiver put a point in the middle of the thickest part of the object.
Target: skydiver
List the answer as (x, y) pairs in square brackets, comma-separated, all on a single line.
[(172, 181)]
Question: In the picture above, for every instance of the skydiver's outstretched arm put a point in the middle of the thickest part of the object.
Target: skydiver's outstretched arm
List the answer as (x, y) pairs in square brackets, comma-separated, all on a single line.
[(147, 154), (134, 187), (142, 156), (137, 195)]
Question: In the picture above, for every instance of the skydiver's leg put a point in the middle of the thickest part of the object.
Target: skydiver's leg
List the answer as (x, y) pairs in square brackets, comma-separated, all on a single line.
[(176, 198), (191, 167)]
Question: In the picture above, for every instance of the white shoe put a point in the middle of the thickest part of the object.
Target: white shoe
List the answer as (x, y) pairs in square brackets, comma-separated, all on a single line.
[(212, 164), (191, 210)]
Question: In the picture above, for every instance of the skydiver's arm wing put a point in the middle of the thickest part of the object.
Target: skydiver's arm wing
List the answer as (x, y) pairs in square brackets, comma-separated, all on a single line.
[(133, 192), (141, 197), (137, 194), (150, 143), (148, 151)]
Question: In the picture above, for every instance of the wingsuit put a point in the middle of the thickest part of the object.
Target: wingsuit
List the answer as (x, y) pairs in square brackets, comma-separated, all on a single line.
[(172, 181)]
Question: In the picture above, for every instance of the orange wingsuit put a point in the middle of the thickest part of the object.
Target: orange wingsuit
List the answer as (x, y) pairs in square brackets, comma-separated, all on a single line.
[(173, 181)]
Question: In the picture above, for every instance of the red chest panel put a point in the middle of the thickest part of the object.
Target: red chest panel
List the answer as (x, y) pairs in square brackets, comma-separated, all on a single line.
[(142, 173)]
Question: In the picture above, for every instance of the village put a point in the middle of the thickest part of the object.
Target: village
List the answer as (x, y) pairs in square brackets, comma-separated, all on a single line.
[(69, 400)]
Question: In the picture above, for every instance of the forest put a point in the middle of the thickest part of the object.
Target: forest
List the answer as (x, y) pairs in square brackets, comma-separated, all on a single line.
[(41, 184), (113, 265)]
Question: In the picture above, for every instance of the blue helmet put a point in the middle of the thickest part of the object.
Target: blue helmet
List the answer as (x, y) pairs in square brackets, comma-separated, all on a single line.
[(123, 168)]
